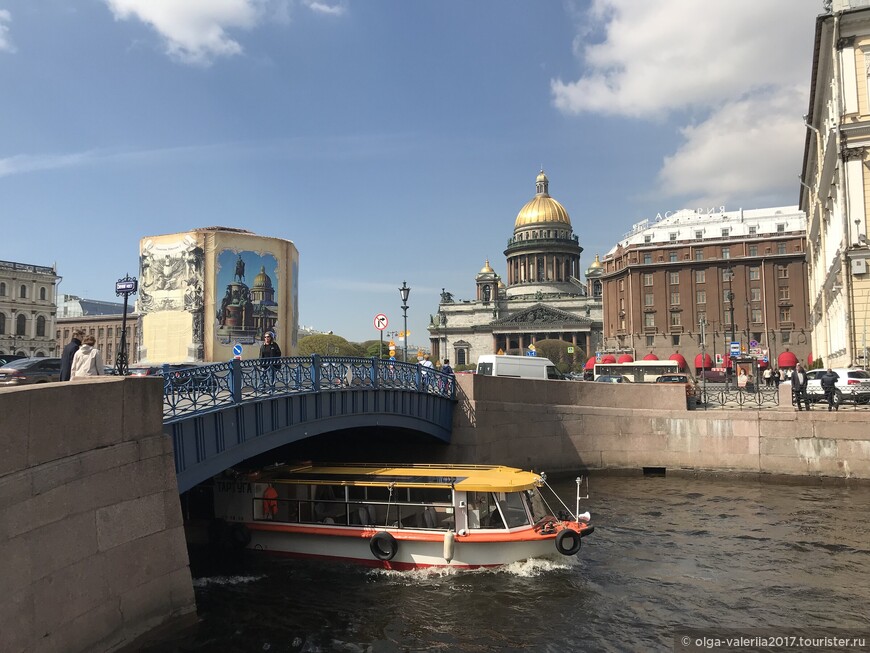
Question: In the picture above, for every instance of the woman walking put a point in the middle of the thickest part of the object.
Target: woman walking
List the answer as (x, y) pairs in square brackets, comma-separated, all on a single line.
[(87, 360)]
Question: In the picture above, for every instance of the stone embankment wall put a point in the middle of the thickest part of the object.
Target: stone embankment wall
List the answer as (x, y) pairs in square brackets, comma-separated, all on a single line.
[(92, 548), (563, 426)]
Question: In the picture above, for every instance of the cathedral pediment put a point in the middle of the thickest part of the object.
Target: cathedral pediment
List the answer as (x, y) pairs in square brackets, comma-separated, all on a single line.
[(541, 314)]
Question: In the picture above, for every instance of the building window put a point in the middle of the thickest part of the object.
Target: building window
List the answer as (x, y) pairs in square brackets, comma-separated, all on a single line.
[(699, 254), (650, 341), (673, 257), (20, 325), (725, 296), (675, 299), (100, 332), (780, 248), (649, 319), (40, 326), (785, 314), (622, 303), (726, 252), (780, 228), (782, 271), (22, 293), (42, 294), (702, 317), (786, 337), (621, 285), (622, 324), (784, 294), (699, 234), (675, 278), (754, 274), (753, 250), (675, 318), (647, 239), (649, 299), (755, 294), (647, 279), (756, 316), (2, 324), (647, 258), (753, 231), (109, 332), (2, 289), (700, 276), (460, 357), (701, 297), (675, 340), (672, 236), (725, 232)]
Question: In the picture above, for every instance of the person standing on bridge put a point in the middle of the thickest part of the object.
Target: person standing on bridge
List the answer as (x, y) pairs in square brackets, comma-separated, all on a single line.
[(270, 349), (87, 361), (69, 351)]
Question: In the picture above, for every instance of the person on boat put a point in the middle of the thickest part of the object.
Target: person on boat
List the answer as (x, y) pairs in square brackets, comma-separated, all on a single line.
[(270, 502)]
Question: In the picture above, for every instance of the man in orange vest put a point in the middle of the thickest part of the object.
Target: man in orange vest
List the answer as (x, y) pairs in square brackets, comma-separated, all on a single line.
[(270, 502)]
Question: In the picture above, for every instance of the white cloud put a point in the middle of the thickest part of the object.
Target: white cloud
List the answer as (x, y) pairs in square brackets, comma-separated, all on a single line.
[(5, 43), (725, 61), (195, 31), (336, 9)]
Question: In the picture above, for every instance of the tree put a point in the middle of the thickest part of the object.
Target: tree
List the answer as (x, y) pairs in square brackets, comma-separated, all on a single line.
[(328, 345), (557, 351)]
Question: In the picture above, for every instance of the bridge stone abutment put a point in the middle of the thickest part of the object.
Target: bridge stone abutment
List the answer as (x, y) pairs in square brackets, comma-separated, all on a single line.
[(92, 548), (565, 426)]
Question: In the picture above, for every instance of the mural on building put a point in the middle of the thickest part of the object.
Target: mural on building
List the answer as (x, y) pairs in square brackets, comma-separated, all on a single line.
[(245, 312)]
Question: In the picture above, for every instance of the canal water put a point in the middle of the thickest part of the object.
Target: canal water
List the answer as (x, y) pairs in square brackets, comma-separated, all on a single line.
[(667, 553)]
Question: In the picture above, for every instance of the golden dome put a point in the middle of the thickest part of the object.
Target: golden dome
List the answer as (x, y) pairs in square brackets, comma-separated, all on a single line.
[(486, 269), (542, 208), (596, 263), (262, 280)]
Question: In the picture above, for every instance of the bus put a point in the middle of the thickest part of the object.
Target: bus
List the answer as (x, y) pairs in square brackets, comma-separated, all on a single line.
[(638, 371)]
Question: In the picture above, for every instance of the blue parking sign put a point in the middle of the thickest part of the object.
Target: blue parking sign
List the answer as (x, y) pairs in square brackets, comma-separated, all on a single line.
[(237, 350)]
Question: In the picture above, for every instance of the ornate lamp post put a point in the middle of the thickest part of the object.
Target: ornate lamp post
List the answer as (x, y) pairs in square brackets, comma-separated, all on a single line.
[(126, 287), (404, 291), (730, 275)]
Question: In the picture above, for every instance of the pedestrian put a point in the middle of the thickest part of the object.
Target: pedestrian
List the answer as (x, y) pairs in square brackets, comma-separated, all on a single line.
[(270, 349), (87, 361), (69, 351), (446, 369), (777, 376), (768, 377), (799, 387), (829, 386)]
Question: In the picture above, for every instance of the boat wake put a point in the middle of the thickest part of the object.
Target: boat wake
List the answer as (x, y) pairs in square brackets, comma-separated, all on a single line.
[(224, 580), (531, 568)]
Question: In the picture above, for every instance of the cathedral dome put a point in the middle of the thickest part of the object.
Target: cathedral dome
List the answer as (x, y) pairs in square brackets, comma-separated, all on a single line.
[(262, 280), (486, 269), (542, 208)]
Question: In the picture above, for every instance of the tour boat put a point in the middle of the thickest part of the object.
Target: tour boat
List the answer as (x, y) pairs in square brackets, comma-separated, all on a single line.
[(400, 517)]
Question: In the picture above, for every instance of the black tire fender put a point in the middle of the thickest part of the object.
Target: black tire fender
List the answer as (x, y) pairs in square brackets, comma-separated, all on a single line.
[(383, 545), (240, 536), (568, 542)]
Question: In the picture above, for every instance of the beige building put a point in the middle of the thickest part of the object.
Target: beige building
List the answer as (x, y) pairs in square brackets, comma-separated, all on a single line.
[(204, 291), (27, 309), (835, 184), (740, 273), (106, 329)]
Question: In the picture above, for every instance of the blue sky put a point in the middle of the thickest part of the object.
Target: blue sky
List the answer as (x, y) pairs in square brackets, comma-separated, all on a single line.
[(390, 140)]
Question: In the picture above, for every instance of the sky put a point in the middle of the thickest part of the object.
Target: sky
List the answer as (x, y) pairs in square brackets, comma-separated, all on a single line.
[(389, 140)]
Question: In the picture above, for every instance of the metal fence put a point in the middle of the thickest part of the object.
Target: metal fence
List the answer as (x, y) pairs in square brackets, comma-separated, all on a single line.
[(211, 387), (720, 395)]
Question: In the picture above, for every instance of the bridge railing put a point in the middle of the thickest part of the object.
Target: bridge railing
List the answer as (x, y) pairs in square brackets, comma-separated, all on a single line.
[(206, 388)]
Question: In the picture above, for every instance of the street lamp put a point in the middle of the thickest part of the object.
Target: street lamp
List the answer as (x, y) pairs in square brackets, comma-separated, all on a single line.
[(126, 287), (405, 291), (730, 275)]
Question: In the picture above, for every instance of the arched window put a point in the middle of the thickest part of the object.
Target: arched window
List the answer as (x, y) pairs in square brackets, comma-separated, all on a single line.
[(20, 325), (2, 289), (2, 324), (40, 325), (40, 354), (23, 292), (42, 294)]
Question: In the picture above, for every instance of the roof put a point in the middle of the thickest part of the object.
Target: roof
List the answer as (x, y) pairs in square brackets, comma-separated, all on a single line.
[(466, 478)]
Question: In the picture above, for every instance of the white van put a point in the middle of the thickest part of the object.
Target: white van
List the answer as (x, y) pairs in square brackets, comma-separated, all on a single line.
[(519, 367)]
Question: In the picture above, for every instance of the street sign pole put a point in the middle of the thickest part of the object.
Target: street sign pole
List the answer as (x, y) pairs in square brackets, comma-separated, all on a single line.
[(126, 287)]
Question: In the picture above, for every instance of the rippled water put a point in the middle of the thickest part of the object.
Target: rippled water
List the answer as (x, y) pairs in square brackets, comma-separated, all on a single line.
[(666, 553)]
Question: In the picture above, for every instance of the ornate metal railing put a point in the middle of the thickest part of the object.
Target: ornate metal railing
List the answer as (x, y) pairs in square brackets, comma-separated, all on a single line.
[(206, 388), (720, 395)]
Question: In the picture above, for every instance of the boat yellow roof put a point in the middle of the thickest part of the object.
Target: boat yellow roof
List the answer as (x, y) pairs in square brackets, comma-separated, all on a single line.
[(465, 478)]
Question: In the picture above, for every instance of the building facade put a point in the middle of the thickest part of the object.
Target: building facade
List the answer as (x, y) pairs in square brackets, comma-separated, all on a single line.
[(106, 329), (835, 185), (28, 309), (742, 274), (543, 299)]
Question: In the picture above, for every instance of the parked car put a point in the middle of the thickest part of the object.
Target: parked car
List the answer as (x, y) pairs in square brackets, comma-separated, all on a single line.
[(26, 371), (8, 358), (144, 370), (613, 378), (685, 379), (852, 386)]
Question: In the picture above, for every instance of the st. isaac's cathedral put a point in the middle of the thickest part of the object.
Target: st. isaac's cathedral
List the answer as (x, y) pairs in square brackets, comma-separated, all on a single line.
[(544, 297)]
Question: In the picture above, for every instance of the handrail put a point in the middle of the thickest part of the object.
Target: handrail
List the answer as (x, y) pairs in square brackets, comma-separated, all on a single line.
[(207, 388)]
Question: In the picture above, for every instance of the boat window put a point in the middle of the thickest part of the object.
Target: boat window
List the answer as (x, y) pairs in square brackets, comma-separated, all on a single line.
[(374, 493), (482, 511), (431, 495), (537, 505), (511, 504)]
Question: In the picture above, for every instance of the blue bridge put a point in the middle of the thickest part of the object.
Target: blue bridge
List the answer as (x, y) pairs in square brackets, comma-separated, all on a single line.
[(221, 414)]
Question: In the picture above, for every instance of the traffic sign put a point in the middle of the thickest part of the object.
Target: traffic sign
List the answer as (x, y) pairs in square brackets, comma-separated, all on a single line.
[(381, 321), (753, 343), (735, 349), (126, 286), (237, 351), (597, 356), (531, 347), (570, 350), (531, 353)]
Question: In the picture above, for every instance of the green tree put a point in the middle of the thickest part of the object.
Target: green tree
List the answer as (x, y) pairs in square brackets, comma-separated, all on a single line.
[(557, 351), (328, 345)]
